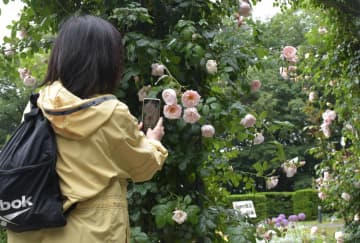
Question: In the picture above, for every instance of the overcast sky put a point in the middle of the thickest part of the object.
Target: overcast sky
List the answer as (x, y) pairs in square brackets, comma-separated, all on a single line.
[(263, 11)]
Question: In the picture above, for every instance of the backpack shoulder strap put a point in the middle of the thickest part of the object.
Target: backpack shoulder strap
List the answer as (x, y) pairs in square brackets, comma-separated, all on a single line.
[(88, 104)]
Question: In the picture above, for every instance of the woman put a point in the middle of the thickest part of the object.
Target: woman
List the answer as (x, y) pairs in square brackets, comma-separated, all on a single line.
[(99, 145)]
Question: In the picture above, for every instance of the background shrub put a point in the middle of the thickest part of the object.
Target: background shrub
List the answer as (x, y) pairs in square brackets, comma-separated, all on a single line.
[(279, 202), (306, 201)]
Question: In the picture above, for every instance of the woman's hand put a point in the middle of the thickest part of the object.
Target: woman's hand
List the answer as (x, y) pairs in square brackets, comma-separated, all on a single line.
[(140, 126), (157, 132)]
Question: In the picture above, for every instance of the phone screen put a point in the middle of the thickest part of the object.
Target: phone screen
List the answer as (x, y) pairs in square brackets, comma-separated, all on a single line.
[(150, 113)]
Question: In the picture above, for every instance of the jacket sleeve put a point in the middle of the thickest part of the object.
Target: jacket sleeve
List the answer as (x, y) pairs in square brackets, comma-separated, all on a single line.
[(131, 151)]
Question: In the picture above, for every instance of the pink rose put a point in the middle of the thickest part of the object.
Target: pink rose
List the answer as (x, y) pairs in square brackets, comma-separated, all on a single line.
[(312, 96), (322, 195), (255, 85), (211, 66), (329, 116), (21, 34), (259, 138), (172, 111), (29, 81), (8, 50), (292, 68), (190, 98), (191, 115), (290, 170), (179, 216), (293, 60), (248, 121), (313, 230), (24, 72), (327, 176), (346, 196), (322, 30), (157, 69), (169, 96), (326, 130), (207, 131), (272, 182), (244, 9), (289, 53), (284, 73)]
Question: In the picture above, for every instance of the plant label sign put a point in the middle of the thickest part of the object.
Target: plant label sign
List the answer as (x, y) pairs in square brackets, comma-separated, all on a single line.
[(245, 208)]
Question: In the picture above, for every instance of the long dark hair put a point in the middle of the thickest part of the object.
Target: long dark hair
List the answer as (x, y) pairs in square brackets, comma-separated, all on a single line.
[(87, 56)]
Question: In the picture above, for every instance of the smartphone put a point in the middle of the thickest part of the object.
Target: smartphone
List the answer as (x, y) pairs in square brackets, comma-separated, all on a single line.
[(150, 113)]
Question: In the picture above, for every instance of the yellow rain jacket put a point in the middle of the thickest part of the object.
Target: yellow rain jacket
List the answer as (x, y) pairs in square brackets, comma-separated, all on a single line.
[(99, 148)]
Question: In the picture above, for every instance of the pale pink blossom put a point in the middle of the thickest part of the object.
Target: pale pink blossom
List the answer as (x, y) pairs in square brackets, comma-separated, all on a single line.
[(289, 52), (211, 66), (356, 217), (29, 81), (259, 138), (314, 230), (157, 69), (9, 51), (322, 30), (244, 9), (268, 234), (179, 216), (23, 72), (312, 96), (327, 176), (322, 195), (169, 96), (284, 73), (255, 85), (290, 170), (329, 116), (326, 130), (143, 92), (190, 98), (21, 34), (248, 121), (319, 180), (207, 131), (191, 115), (293, 60), (339, 237), (172, 111), (292, 68), (346, 196), (272, 182)]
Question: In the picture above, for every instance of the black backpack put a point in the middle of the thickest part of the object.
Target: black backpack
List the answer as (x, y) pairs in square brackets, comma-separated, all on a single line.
[(30, 196)]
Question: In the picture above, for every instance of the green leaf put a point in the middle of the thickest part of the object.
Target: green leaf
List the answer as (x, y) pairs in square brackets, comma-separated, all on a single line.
[(193, 214), (162, 214), (142, 43), (187, 199)]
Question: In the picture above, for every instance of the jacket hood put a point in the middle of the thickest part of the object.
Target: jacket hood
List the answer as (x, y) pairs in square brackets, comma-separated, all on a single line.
[(69, 115)]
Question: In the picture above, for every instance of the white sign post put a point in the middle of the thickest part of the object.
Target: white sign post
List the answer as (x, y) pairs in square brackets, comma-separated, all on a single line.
[(245, 208)]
